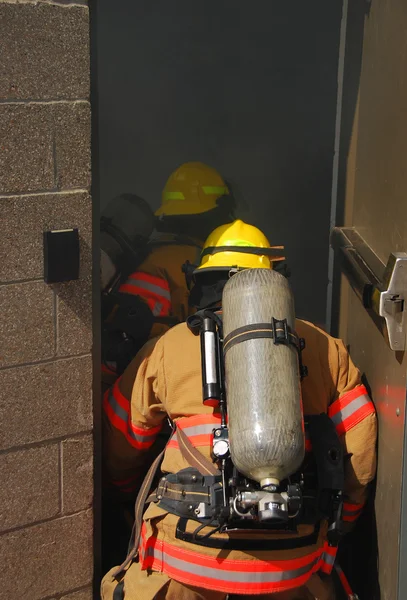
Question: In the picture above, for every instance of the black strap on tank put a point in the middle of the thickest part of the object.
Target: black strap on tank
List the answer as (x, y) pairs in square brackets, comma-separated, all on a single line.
[(275, 251), (277, 330), (263, 543)]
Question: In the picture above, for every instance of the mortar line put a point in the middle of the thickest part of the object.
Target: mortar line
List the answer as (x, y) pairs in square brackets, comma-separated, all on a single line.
[(43, 522), (54, 158), (45, 443), (16, 101), (63, 4), (45, 361), (48, 192), (61, 476), (62, 595), (14, 281)]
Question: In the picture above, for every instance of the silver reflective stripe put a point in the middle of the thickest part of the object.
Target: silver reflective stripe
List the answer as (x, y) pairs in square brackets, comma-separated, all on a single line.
[(199, 429), (157, 309), (350, 409), (195, 430), (123, 415), (232, 576), (328, 558), (150, 287)]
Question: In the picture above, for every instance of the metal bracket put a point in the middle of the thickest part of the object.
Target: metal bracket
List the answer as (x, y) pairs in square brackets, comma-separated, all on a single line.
[(392, 299), (381, 288)]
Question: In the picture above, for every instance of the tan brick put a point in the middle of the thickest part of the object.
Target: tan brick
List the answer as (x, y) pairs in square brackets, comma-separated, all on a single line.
[(27, 217), (26, 148), (45, 401), (27, 323), (77, 474), (72, 145), (45, 52), (44, 146), (47, 559), (81, 595), (29, 489)]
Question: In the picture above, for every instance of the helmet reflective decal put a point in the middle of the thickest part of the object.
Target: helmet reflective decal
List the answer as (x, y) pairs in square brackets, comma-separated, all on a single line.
[(215, 190)]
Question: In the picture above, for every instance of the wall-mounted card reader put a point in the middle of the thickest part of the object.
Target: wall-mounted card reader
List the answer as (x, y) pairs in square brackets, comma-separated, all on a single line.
[(61, 255)]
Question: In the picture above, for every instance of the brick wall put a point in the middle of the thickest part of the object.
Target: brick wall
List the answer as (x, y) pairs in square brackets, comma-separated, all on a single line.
[(46, 447)]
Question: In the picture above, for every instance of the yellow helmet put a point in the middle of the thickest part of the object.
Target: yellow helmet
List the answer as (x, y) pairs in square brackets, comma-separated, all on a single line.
[(238, 245), (192, 189)]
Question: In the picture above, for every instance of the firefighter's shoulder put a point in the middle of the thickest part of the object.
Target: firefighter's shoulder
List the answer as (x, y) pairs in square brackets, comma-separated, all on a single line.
[(179, 334), (314, 334), (322, 351)]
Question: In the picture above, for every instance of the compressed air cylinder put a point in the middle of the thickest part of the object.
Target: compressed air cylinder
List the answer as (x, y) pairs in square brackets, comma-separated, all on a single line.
[(262, 378)]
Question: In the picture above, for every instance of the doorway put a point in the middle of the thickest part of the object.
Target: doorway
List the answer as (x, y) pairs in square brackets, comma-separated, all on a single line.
[(248, 90)]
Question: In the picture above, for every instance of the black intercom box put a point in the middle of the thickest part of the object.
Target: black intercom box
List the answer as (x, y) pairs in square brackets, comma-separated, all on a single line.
[(61, 255)]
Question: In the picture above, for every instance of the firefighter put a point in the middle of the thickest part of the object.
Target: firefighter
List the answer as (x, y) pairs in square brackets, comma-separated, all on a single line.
[(195, 200), (175, 559)]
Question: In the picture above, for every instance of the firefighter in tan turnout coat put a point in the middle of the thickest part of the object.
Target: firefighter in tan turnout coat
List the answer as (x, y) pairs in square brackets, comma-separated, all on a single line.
[(164, 380)]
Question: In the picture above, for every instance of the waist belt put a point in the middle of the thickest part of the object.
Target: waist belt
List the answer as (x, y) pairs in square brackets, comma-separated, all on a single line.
[(190, 494), (264, 541), (193, 496)]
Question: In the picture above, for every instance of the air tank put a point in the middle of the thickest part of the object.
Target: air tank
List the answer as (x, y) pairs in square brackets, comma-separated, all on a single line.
[(262, 378)]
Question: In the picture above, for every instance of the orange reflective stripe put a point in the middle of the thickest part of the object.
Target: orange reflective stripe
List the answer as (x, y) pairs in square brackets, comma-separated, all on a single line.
[(117, 409), (198, 428), (155, 290), (227, 575), (328, 558), (344, 582), (351, 511), (350, 409), (158, 284)]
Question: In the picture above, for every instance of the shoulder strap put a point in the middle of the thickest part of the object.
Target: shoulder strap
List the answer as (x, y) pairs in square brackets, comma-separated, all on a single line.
[(193, 457)]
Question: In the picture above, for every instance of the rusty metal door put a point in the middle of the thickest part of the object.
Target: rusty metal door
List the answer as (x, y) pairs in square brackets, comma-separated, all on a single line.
[(372, 199)]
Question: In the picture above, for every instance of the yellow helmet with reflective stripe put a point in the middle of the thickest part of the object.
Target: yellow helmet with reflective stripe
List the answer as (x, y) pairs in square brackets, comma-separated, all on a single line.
[(192, 189), (238, 245)]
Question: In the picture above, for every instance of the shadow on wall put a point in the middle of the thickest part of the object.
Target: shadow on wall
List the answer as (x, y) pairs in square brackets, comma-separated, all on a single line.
[(249, 89), (359, 554), (358, 11), (74, 298)]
